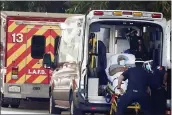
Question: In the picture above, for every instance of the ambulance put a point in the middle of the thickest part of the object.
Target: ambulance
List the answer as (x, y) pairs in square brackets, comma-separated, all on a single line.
[(89, 42), (26, 37)]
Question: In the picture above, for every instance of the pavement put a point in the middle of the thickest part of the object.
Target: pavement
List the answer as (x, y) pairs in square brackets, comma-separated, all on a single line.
[(27, 108), (31, 107)]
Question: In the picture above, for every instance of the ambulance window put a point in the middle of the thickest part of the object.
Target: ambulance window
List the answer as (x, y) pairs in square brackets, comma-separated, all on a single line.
[(38, 47)]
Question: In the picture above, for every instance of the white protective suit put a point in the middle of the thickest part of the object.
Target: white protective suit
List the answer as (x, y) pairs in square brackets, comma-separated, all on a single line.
[(112, 64)]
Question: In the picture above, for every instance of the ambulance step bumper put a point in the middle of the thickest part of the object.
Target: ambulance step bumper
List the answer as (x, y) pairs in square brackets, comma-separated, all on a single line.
[(26, 90)]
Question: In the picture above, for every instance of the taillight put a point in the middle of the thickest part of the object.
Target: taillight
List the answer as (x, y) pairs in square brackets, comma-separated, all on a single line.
[(14, 73), (14, 70), (127, 13), (98, 13), (156, 15)]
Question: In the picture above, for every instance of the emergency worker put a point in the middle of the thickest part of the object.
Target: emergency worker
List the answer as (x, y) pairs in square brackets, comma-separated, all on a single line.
[(137, 46), (133, 41), (138, 82), (141, 53), (158, 92)]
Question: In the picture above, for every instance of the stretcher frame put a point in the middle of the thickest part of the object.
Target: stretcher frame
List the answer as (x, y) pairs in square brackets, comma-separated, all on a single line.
[(114, 104)]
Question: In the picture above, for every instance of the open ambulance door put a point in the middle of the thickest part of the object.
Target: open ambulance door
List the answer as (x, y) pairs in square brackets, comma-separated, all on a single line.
[(168, 44), (42, 41), (168, 33)]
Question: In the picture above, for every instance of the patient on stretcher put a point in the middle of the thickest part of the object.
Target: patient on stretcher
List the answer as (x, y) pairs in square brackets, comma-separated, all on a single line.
[(116, 65)]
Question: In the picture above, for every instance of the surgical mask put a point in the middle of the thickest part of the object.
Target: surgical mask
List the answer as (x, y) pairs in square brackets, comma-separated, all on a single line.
[(147, 67), (122, 62)]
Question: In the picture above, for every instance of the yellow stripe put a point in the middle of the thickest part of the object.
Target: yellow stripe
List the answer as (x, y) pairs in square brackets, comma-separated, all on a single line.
[(27, 77), (24, 30), (40, 31), (12, 27), (48, 40), (21, 80), (58, 32), (16, 54), (52, 41), (9, 46), (38, 65), (52, 56), (22, 64), (39, 79), (8, 77)]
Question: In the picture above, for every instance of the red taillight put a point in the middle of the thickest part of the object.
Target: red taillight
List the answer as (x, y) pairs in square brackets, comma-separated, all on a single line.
[(127, 13), (93, 108), (14, 70), (156, 15), (98, 13)]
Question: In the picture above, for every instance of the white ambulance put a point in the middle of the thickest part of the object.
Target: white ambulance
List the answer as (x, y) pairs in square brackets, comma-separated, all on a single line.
[(78, 44)]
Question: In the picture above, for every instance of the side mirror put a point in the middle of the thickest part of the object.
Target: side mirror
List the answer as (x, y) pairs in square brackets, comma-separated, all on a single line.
[(47, 61)]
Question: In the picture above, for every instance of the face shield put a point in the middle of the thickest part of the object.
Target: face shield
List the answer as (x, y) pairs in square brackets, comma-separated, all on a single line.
[(148, 65)]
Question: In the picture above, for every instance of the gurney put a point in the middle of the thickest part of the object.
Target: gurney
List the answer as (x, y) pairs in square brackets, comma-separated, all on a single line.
[(113, 71), (114, 97)]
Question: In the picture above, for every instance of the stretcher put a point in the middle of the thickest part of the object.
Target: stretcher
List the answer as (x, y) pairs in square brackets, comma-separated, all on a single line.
[(113, 98), (114, 69)]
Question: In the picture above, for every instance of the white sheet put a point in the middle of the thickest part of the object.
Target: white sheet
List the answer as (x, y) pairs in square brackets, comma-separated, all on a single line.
[(113, 63)]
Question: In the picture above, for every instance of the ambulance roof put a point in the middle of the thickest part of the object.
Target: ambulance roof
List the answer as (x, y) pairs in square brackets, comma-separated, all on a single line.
[(36, 14)]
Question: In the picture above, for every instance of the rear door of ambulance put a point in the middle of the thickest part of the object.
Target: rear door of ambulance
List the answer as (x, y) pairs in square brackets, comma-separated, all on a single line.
[(15, 53), (40, 40)]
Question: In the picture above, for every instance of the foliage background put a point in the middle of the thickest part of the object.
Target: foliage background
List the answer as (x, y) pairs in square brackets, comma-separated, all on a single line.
[(84, 6)]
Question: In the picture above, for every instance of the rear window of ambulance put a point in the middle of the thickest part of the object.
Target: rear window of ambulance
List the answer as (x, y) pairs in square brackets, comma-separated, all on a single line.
[(38, 47)]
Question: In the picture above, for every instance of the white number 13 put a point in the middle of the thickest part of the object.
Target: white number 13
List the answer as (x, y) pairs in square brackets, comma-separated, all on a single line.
[(17, 37)]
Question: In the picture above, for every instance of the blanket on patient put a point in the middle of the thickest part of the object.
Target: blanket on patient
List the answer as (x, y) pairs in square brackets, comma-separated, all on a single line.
[(114, 70)]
